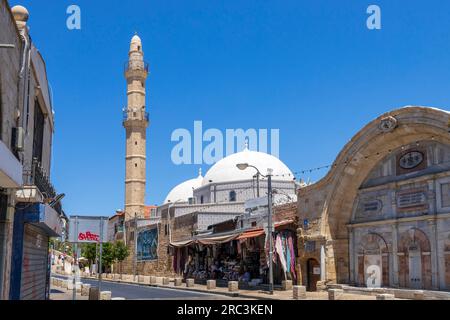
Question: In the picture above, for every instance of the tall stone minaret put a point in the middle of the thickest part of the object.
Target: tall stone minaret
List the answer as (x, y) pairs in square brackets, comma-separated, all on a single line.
[(135, 122)]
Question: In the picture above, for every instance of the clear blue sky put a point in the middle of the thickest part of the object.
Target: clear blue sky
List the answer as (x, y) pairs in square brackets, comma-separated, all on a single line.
[(310, 68)]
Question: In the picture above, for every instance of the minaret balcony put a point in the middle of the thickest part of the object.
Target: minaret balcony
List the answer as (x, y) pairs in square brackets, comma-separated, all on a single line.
[(136, 68), (135, 115)]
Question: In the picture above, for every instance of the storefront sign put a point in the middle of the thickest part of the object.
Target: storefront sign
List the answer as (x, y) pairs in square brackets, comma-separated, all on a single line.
[(88, 229)]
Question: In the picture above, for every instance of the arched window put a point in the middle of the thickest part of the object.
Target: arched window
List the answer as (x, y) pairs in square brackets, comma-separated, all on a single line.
[(201, 199), (232, 196)]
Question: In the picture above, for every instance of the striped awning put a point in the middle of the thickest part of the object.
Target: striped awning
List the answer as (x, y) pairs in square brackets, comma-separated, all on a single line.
[(251, 234)]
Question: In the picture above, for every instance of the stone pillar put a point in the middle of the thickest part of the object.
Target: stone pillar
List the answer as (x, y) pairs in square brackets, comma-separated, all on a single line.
[(152, 280), (210, 284), (233, 286), (85, 288), (165, 281), (352, 255), (189, 282), (335, 294), (140, 279), (286, 285), (147, 279), (299, 292), (178, 282), (394, 265), (94, 293), (105, 295), (434, 255)]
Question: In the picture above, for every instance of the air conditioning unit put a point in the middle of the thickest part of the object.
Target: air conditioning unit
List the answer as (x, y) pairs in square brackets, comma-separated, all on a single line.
[(18, 138)]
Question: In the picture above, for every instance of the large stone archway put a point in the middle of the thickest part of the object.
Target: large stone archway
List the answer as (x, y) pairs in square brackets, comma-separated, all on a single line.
[(328, 204)]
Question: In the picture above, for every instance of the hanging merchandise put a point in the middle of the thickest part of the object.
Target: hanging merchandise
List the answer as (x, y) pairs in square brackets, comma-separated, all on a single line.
[(287, 253), (291, 250), (279, 248)]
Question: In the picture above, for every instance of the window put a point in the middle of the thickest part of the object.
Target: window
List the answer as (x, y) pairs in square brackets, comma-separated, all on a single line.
[(201, 199), (38, 137), (232, 196)]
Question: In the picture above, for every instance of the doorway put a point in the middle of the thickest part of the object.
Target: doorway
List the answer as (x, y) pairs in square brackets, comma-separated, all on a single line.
[(415, 269), (313, 271)]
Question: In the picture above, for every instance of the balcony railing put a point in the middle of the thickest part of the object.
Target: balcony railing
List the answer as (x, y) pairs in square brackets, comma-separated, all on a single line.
[(135, 115), (136, 65), (36, 176)]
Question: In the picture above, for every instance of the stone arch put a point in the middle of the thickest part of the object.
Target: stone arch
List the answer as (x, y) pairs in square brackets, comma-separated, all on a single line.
[(355, 162), (411, 240), (372, 245)]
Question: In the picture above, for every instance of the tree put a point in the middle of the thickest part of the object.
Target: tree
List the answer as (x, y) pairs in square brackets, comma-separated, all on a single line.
[(88, 251), (121, 252), (108, 255)]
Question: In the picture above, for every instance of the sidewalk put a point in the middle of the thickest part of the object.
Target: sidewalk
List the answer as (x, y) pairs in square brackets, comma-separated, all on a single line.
[(245, 294), (58, 293)]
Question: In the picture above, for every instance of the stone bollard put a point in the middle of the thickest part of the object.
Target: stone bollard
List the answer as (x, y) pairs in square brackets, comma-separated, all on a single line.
[(70, 285), (78, 286), (190, 282), (152, 280), (210, 284), (147, 279), (94, 294), (178, 282), (141, 279), (109, 276), (335, 294), (118, 298), (116, 276), (233, 286), (85, 288), (419, 295), (299, 292), (58, 282), (105, 295), (385, 296), (286, 285), (165, 281)]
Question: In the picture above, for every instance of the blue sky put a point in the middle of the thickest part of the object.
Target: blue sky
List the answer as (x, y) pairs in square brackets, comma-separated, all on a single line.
[(309, 68)]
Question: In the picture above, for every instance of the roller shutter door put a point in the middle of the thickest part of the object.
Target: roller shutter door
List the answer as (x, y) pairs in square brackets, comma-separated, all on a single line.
[(35, 264)]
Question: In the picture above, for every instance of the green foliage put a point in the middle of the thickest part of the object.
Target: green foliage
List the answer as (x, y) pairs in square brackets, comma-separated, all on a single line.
[(107, 254), (121, 251), (88, 251)]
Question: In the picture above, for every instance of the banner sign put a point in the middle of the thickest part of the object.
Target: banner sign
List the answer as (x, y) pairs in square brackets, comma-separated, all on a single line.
[(85, 229), (147, 244)]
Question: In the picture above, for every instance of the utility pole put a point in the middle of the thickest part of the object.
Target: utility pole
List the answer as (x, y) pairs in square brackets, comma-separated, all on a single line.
[(101, 251), (269, 229), (135, 247)]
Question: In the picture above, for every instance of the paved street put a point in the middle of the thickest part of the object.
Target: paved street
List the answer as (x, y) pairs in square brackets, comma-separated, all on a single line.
[(139, 292)]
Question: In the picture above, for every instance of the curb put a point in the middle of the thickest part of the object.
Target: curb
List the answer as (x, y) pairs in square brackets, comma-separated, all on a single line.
[(193, 289)]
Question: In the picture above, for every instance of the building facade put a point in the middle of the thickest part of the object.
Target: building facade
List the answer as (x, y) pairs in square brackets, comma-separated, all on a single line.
[(34, 212), (381, 216)]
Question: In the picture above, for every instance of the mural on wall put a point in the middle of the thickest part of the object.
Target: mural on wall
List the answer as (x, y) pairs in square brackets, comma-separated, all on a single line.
[(147, 245)]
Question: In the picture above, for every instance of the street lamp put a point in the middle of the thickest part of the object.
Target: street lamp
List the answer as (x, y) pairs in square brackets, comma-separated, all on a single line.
[(243, 166)]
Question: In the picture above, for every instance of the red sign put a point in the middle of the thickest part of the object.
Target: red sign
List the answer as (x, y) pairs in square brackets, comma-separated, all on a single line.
[(88, 236)]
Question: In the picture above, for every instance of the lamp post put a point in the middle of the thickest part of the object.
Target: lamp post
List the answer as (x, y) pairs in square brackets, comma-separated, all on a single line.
[(243, 166)]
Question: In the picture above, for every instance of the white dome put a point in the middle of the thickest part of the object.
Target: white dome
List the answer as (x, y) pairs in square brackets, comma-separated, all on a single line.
[(184, 190), (225, 170)]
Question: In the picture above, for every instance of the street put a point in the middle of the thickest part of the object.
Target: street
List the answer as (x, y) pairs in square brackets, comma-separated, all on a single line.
[(141, 292)]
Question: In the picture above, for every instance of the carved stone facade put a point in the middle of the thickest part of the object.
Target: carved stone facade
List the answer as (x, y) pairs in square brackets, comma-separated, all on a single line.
[(381, 216)]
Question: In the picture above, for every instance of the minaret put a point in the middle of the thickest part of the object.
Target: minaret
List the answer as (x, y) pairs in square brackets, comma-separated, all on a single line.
[(135, 122)]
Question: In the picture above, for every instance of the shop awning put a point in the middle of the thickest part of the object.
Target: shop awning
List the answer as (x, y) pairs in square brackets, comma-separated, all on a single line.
[(251, 234), (283, 223), (217, 240), (179, 244)]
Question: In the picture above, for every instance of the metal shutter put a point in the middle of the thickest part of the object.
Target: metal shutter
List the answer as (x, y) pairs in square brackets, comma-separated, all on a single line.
[(34, 265)]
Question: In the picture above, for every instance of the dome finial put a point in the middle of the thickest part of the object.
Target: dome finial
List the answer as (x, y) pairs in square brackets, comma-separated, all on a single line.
[(246, 144)]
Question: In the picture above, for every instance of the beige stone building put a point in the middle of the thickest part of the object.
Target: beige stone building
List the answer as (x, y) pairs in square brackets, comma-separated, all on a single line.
[(381, 216), (29, 212)]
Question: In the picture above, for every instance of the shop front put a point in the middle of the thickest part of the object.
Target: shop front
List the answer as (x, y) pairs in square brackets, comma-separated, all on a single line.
[(238, 256), (34, 225)]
